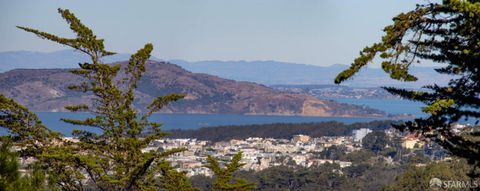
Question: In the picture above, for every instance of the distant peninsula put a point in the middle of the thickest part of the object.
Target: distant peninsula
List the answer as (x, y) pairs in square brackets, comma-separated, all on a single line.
[(46, 90)]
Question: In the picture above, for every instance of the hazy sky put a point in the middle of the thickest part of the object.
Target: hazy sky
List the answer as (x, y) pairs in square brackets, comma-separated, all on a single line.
[(319, 32)]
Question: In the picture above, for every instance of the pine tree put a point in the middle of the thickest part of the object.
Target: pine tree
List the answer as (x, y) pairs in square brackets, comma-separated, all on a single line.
[(446, 33), (8, 165), (173, 179), (113, 159), (32, 179), (224, 177)]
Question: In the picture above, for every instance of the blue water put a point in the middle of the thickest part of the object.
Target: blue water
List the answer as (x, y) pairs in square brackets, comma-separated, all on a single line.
[(398, 107), (391, 106), (192, 121)]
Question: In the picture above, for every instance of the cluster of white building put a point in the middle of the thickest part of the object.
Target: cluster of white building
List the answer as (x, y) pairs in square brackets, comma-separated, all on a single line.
[(258, 153), (262, 153)]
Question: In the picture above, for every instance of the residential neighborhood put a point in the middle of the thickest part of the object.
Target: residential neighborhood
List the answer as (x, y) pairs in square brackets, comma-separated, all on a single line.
[(261, 153)]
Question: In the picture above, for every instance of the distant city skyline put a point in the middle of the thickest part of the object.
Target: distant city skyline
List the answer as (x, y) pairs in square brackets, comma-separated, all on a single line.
[(320, 33)]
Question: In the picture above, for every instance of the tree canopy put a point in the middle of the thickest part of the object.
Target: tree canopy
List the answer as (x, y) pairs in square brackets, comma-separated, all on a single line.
[(375, 141), (224, 180), (113, 159), (446, 33)]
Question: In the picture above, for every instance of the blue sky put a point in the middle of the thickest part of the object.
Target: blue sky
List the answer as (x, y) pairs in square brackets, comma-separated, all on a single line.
[(318, 32)]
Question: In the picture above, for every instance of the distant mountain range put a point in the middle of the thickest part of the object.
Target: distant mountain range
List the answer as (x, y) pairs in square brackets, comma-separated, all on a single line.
[(45, 90), (263, 72), (277, 73)]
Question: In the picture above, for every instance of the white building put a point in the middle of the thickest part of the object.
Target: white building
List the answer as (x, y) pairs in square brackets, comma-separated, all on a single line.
[(359, 134)]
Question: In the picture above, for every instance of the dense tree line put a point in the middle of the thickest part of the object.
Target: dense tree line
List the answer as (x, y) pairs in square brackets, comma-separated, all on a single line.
[(368, 172), (325, 177), (276, 130), (418, 177)]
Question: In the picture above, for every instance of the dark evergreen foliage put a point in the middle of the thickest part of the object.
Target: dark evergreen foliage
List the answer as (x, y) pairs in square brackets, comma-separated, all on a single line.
[(446, 33), (324, 177), (223, 179), (418, 178), (375, 141), (33, 179), (113, 159), (277, 130)]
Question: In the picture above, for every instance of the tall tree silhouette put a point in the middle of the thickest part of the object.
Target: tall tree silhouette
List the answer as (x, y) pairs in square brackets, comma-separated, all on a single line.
[(112, 159), (447, 33)]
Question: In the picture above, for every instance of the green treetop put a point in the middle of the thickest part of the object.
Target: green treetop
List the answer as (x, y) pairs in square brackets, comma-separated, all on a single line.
[(224, 180), (446, 33), (112, 159)]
